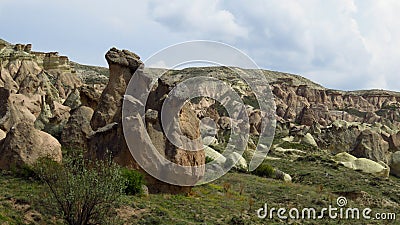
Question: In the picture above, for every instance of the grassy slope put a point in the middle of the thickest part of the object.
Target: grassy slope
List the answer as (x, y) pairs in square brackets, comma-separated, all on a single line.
[(210, 204), (317, 183)]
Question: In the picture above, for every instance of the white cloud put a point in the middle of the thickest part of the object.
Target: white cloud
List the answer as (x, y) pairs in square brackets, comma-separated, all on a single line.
[(327, 41), (198, 18), (342, 44)]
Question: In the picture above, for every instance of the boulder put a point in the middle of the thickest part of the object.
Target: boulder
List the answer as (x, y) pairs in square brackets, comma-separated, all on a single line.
[(60, 116), (77, 130), (241, 163), (73, 100), (344, 157), (13, 109), (395, 164), (365, 165), (89, 96), (309, 139), (280, 175), (2, 134), (255, 120), (371, 145), (24, 145), (214, 155), (394, 142), (369, 166), (340, 136)]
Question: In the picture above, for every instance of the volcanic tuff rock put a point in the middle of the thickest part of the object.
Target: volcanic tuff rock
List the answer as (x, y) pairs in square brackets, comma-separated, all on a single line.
[(33, 86), (122, 66), (77, 130), (335, 119), (363, 164), (395, 164), (107, 124), (33, 92), (45, 88), (370, 144), (2, 135), (24, 145)]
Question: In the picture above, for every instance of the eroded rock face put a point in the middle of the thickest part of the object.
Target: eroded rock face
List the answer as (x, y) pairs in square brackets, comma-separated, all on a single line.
[(108, 137), (15, 108), (394, 142), (77, 130), (338, 138), (395, 164), (108, 132), (34, 85), (122, 66), (89, 97), (305, 104), (24, 145), (372, 146)]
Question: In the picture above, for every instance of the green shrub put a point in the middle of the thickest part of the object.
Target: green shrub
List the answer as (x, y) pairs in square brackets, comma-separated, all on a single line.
[(238, 220), (81, 191), (134, 181), (24, 171), (251, 101), (208, 159), (355, 112), (264, 170)]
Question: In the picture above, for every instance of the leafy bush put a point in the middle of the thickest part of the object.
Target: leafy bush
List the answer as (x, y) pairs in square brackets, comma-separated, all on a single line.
[(81, 191), (264, 170), (134, 181)]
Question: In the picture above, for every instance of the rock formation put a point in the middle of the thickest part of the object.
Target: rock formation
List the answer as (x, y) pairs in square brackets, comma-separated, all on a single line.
[(81, 106), (395, 164), (107, 124), (24, 145), (76, 132), (365, 165)]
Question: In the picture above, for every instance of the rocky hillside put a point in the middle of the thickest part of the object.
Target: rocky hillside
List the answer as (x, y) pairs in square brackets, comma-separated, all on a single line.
[(78, 106)]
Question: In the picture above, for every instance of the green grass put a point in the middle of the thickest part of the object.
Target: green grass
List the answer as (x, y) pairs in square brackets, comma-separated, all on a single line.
[(99, 69), (233, 199), (19, 199), (211, 204), (298, 146)]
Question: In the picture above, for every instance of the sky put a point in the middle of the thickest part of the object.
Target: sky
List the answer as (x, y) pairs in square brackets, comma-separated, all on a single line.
[(341, 44)]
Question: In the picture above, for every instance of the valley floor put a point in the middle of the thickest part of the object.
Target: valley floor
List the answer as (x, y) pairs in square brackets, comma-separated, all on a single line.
[(232, 199)]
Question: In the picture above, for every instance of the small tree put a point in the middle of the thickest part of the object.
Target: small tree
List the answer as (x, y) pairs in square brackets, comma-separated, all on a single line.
[(82, 191), (134, 181)]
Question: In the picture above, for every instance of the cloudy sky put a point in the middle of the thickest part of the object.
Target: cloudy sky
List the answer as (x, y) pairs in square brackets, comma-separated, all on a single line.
[(341, 44)]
